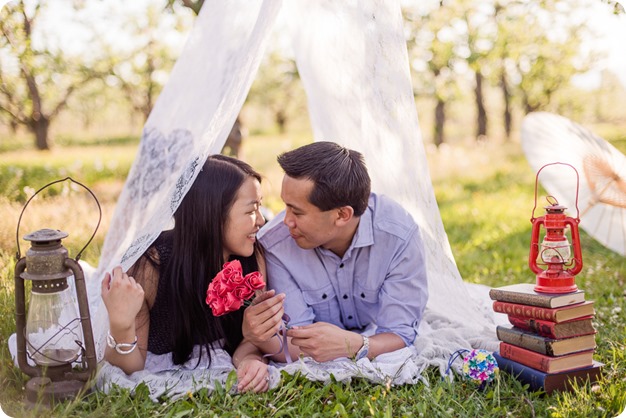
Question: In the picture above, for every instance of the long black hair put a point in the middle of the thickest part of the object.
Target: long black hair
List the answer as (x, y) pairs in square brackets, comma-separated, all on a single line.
[(197, 256)]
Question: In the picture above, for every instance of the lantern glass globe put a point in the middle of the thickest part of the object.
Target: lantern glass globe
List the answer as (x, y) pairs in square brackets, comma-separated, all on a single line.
[(53, 328), (556, 251)]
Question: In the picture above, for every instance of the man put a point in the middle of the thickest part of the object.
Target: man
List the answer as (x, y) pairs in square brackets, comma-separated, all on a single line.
[(341, 259)]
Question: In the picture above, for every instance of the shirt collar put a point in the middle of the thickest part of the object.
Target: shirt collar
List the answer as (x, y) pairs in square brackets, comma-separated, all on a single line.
[(364, 235)]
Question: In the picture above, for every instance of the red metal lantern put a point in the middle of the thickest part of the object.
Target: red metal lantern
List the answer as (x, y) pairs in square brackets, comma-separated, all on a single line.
[(551, 260)]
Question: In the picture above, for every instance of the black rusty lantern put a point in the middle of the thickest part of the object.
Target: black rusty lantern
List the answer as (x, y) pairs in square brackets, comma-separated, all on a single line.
[(55, 344)]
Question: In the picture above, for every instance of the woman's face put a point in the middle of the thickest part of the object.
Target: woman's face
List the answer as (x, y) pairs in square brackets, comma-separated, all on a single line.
[(244, 220)]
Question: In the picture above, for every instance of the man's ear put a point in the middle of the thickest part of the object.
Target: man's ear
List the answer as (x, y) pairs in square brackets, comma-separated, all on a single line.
[(344, 215)]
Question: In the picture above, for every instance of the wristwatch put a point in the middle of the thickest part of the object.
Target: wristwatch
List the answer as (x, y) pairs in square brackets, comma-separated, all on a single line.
[(364, 349)]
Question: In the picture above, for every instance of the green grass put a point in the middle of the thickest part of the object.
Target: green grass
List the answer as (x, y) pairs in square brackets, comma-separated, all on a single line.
[(486, 213)]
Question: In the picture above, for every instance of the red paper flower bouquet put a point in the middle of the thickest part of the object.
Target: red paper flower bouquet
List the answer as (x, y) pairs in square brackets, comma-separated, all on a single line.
[(230, 288)]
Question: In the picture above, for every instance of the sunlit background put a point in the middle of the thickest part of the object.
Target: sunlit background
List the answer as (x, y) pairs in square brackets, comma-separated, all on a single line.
[(564, 56)]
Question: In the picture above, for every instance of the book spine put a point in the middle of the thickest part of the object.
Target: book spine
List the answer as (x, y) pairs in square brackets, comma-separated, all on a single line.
[(527, 311), (535, 343), (543, 329), (522, 298), (526, 357), (534, 378)]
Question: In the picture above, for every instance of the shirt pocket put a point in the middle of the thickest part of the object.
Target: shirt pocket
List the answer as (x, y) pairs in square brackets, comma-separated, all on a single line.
[(321, 301), (366, 296)]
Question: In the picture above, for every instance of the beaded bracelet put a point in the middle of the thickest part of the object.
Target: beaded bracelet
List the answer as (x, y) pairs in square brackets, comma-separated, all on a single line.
[(121, 348)]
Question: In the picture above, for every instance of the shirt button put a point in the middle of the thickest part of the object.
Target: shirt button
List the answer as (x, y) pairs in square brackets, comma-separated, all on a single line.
[(324, 296), (363, 295), (345, 296), (341, 265), (350, 317)]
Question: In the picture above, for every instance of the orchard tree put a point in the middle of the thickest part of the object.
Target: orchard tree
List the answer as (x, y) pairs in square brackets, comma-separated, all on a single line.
[(142, 70), (545, 59), (277, 88), (432, 43), (479, 37), (36, 81)]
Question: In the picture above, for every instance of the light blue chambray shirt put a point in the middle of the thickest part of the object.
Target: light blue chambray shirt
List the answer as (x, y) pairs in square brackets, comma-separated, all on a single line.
[(381, 278)]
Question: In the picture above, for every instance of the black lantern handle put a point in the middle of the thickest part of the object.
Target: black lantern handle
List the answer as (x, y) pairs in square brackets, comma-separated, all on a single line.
[(17, 233), (532, 216)]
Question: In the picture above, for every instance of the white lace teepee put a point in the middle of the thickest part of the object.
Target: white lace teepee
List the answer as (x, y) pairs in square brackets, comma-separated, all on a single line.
[(353, 62)]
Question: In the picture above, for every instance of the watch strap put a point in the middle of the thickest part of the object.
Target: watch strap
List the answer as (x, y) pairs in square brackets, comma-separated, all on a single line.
[(364, 350)]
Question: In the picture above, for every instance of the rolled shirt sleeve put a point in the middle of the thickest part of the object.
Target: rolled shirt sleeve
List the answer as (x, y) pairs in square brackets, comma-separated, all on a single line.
[(404, 292)]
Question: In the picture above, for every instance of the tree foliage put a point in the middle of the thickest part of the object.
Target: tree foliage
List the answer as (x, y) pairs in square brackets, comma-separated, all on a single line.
[(277, 88), (194, 5), (141, 70), (527, 52), (480, 43)]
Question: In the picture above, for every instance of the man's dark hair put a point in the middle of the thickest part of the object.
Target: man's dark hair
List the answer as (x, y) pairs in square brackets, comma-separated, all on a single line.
[(339, 175)]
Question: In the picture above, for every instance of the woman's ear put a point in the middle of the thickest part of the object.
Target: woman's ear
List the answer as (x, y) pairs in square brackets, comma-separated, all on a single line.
[(344, 215)]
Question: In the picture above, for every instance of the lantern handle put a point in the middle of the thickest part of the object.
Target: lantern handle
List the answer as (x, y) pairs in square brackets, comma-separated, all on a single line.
[(532, 217), (17, 233)]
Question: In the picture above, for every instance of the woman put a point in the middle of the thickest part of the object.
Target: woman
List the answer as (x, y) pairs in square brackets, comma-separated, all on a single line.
[(159, 306)]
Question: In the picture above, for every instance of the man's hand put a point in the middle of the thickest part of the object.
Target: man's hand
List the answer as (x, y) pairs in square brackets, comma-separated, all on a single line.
[(263, 318), (324, 341)]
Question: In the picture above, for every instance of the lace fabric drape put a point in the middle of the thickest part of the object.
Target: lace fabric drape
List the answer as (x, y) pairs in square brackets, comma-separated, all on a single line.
[(352, 59)]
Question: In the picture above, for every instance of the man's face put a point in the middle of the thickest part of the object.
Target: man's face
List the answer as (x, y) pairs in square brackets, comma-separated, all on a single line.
[(308, 225)]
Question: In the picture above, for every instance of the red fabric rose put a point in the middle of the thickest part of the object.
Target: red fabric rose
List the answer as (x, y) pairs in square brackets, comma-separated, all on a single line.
[(243, 292), (217, 306), (255, 280), (232, 273), (232, 302)]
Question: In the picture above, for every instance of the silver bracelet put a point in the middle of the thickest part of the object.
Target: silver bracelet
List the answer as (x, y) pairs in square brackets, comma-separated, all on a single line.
[(121, 348)]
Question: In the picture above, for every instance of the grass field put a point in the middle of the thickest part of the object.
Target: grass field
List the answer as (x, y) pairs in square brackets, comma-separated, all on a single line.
[(485, 199)]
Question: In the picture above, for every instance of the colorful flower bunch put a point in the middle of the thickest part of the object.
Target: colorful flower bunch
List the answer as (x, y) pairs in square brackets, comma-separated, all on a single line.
[(230, 289), (480, 366)]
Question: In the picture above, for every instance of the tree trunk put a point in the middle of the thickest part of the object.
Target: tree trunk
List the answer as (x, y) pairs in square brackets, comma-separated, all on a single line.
[(506, 95), (40, 128), (281, 121), (440, 120), (232, 146), (481, 128)]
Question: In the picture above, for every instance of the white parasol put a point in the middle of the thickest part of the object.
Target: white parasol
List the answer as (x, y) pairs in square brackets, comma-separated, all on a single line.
[(548, 138)]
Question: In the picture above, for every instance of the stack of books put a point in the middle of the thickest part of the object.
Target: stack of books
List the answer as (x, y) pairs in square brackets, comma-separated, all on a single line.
[(551, 340)]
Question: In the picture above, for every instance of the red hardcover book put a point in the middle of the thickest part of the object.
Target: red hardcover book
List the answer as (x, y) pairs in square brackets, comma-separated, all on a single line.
[(567, 329), (565, 313), (545, 363)]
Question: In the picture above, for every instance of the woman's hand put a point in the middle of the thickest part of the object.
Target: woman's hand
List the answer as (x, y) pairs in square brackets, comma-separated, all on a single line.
[(253, 376), (123, 298)]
